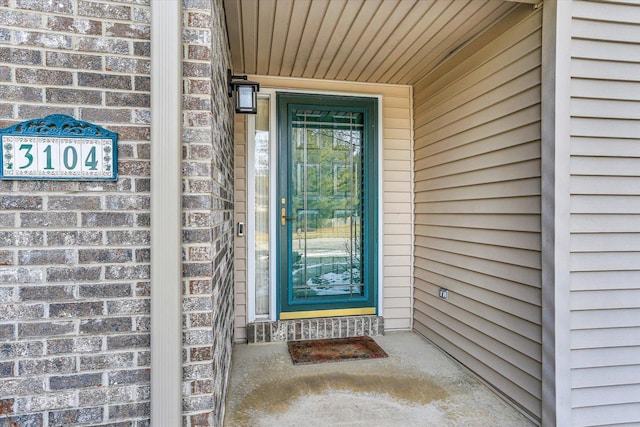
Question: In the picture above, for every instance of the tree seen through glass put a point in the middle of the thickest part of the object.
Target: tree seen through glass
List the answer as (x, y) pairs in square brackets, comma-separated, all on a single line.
[(326, 204)]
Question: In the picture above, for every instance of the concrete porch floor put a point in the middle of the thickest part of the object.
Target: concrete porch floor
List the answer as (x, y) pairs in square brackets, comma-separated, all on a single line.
[(417, 385)]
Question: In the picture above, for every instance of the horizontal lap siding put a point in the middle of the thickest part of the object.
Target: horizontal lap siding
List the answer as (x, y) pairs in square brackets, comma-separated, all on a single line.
[(477, 206), (605, 213), (397, 208), (240, 215), (397, 193)]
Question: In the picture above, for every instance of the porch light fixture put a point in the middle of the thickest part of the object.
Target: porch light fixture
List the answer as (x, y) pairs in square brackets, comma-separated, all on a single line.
[(244, 93)]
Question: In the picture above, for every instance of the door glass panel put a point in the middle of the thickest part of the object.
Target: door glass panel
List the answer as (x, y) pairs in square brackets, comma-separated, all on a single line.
[(326, 204), (261, 156)]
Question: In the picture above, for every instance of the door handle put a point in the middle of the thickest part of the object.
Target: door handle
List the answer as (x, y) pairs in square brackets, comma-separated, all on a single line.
[(283, 217)]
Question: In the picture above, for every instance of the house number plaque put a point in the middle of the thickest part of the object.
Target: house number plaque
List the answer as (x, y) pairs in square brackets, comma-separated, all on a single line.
[(58, 147)]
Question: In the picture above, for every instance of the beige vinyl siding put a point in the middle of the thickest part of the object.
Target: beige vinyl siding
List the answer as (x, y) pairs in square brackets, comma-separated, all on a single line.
[(605, 213), (240, 215), (477, 206), (397, 193)]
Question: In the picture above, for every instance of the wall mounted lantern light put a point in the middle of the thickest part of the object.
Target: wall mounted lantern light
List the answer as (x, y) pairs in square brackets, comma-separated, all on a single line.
[(244, 93)]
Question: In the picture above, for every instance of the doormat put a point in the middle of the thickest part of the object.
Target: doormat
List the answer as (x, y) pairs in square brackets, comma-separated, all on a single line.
[(334, 350)]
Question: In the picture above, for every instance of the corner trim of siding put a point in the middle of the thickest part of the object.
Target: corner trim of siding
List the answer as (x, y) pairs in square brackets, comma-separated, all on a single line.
[(556, 79), (413, 208), (166, 193)]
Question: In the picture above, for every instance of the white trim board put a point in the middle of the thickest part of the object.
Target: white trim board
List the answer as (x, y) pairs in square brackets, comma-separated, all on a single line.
[(166, 206), (556, 79)]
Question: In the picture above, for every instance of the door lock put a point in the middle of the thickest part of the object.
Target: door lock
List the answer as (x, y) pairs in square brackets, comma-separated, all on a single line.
[(283, 217)]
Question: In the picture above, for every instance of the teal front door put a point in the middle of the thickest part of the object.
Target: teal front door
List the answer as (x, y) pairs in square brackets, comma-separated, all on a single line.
[(327, 206)]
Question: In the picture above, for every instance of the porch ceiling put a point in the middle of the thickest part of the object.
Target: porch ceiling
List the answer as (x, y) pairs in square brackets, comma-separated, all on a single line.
[(377, 41)]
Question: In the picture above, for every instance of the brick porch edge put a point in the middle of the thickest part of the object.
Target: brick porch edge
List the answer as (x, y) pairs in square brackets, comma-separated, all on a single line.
[(308, 329)]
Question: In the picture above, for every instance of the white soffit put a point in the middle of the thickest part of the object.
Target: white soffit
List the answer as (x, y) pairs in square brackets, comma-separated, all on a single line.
[(376, 41)]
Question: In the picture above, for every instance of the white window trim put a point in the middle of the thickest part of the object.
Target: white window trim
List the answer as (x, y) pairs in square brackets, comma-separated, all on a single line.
[(251, 223)]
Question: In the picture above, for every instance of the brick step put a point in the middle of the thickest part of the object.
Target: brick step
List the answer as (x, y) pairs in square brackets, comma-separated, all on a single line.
[(316, 328)]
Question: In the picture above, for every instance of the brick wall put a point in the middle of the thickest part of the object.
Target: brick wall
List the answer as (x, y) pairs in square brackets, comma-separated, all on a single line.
[(74, 257), (208, 220)]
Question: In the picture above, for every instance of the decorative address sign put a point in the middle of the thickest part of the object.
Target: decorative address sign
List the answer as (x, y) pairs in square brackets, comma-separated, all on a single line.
[(58, 147)]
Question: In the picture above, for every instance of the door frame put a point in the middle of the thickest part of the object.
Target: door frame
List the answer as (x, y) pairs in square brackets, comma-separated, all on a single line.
[(274, 217)]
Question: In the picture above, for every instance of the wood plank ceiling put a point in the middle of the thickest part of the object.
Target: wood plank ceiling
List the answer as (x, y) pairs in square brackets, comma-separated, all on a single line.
[(378, 41)]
